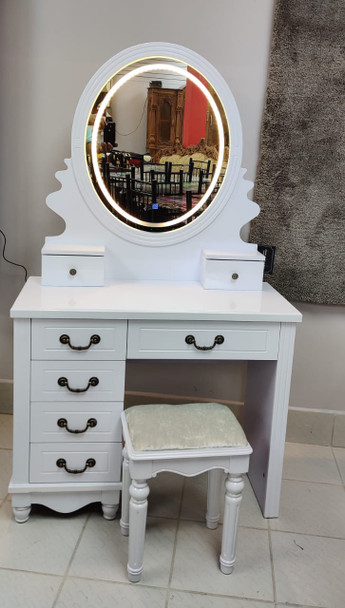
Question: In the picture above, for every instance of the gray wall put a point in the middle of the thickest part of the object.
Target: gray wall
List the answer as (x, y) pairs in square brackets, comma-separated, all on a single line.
[(48, 51)]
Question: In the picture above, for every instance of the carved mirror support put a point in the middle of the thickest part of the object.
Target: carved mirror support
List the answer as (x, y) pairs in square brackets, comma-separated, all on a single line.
[(155, 179)]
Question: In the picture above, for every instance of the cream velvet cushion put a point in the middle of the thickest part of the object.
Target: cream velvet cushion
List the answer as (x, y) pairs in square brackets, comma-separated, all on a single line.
[(190, 425)]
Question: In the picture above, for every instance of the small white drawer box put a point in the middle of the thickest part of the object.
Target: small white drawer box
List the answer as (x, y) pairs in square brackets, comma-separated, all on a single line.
[(231, 271), (72, 266)]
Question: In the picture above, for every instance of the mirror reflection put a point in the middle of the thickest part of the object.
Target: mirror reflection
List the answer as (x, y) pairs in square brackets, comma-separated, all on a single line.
[(157, 144)]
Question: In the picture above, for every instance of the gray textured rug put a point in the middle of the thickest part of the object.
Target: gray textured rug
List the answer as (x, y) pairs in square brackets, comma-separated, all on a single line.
[(300, 183)]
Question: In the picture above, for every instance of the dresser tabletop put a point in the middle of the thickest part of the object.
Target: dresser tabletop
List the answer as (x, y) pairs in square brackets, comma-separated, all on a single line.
[(156, 300)]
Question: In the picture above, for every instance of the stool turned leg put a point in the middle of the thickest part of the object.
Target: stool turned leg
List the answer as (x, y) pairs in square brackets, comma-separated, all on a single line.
[(214, 484), (139, 491), (233, 495), (126, 480)]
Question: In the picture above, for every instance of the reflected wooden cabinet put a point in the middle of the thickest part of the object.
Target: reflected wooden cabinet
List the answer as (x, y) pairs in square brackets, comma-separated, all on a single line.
[(211, 136), (164, 119)]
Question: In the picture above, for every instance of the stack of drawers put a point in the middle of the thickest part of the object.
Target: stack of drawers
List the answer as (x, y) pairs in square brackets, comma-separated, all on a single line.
[(77, 388)]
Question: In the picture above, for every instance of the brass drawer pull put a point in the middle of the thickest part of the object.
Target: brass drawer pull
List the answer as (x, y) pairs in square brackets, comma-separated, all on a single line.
[(63, 424), (64, 382), (65, 339), (191, 340), (61, 463)]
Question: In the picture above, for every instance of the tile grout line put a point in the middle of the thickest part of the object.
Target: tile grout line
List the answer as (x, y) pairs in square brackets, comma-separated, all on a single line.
[(3, 500), (272, 562), (320, 483), (332, 431), (342, 538), (175, 544), (342, 481), (65, 576)]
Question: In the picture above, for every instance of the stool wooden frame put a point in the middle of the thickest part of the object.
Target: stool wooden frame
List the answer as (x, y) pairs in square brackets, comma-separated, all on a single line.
[(139, 466)]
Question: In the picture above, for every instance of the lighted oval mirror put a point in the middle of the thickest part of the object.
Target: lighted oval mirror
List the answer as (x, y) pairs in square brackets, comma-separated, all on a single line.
[(157, 144)]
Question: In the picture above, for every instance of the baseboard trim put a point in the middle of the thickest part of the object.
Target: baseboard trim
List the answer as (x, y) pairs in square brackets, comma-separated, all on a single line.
[(6, 396), (168, 398), (317, 427)]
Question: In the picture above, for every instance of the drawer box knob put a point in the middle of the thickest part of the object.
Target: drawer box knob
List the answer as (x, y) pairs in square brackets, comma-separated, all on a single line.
[(65, 339), (73, 272), (64, 382), (61, 463), (191, 340), (63, 424), (235, 276)]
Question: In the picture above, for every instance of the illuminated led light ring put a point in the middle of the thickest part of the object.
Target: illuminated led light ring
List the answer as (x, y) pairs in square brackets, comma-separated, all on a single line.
[(94, 156)]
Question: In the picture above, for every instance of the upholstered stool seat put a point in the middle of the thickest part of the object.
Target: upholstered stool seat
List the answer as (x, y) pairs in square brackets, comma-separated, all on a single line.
[(186, 439)]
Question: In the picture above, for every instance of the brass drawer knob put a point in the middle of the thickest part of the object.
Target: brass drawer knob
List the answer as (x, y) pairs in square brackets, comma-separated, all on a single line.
[(72, 272), (235, 276)]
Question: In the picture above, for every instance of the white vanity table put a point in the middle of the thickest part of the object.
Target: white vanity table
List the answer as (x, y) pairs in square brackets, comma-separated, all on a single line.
[(119, 285)]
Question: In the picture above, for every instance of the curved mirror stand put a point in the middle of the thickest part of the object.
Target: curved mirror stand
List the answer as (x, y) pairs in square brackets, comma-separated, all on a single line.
[(157, 144)]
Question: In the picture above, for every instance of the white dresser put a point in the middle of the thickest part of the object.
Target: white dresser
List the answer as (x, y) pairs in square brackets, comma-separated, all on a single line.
[(70, 353), (151, 265)]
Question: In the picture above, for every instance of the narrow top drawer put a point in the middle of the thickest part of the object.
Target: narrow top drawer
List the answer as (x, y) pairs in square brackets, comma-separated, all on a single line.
[(202, 340), (79, 339)]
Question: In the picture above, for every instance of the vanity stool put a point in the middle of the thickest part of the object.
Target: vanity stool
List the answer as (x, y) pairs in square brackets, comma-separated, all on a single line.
[(186, 439)]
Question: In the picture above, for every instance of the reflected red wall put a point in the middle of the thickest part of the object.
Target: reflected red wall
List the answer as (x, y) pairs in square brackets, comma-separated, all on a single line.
[(195, 109)]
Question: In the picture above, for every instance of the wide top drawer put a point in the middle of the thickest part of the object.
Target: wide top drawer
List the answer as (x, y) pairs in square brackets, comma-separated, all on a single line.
[(79, 339), (202, 340)]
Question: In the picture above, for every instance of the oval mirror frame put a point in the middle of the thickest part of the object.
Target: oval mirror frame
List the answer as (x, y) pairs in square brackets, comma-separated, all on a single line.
[(96, 84), (137, 70)]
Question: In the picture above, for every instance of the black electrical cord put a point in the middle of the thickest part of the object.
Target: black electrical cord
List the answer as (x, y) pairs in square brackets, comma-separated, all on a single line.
[(9, 261), (136, 128)]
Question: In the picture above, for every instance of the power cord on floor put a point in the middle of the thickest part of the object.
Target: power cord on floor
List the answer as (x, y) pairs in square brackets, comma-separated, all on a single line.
[(9, 261)]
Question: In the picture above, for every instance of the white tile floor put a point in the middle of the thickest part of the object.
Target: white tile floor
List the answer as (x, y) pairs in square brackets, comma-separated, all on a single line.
[(79, 560)]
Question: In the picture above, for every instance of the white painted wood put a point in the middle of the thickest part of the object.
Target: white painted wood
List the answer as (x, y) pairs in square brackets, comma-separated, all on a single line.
[(167, 340), (43, 458), (66, 502), (182, 306), (151, 280), (73, 249), (134, 254), (45, 376), (109, 511), (21, 514), (21, 399), (72, 270), (158, 301), (126, 482), (45, 416), (63, 488), (214, 485), (145, 464), (233, 496), (236, 275), (46, 339), (264, 420), (138, 491)]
